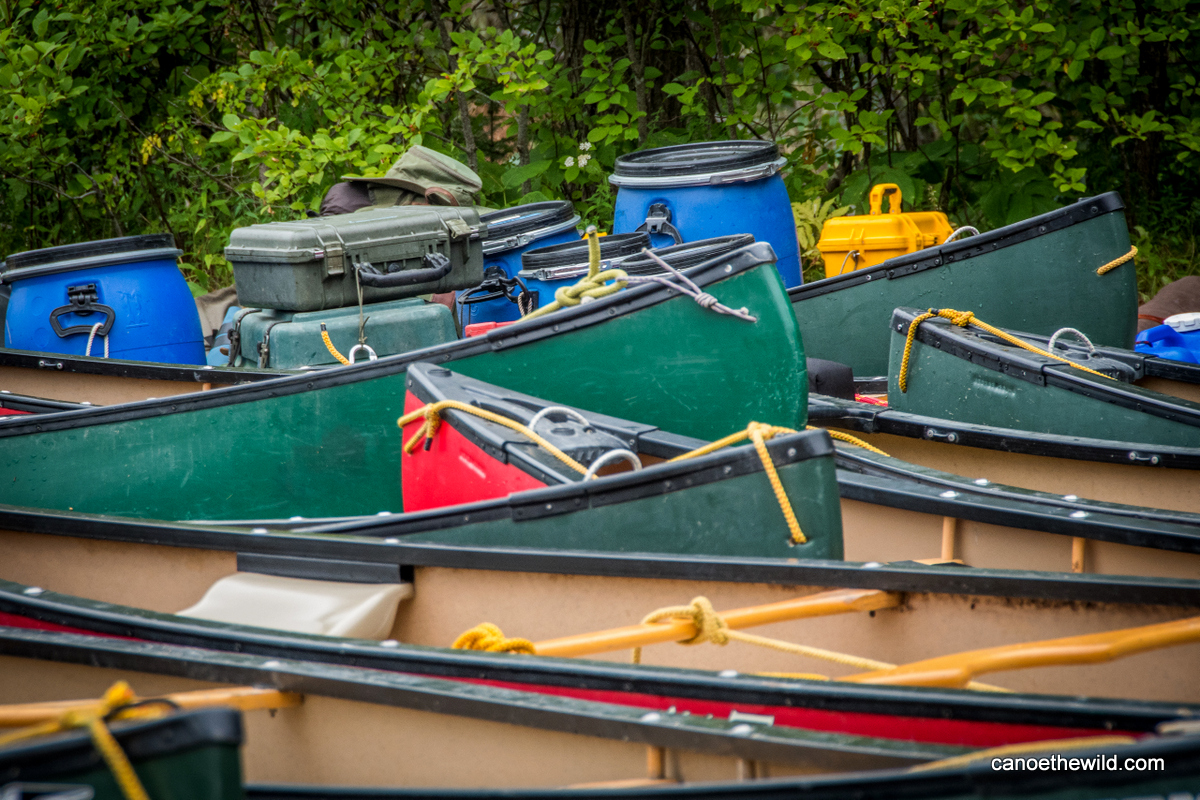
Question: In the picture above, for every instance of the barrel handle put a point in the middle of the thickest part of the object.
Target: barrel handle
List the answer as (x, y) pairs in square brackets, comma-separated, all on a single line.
[(658, 220), (437, 266), (83, 302)]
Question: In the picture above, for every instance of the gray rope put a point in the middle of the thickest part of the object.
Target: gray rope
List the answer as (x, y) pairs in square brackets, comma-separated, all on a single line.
[(687, 287), (963, 229), (1078, 335)]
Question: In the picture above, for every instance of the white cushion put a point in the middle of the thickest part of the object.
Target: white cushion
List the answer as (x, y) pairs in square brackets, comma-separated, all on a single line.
[(330, 608)]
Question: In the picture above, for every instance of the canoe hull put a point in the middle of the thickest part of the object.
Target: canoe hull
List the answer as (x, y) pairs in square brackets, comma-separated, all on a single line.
[(1036, 276)]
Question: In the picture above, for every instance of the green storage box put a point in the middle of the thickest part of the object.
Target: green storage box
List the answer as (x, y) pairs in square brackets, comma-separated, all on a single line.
[(288, 340), (314, 264)]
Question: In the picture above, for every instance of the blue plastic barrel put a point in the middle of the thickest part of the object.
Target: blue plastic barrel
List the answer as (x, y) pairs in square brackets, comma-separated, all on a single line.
[(511, 233), (1177, 339), (546, 269), (685, 256), (687, 192), (131, 287)]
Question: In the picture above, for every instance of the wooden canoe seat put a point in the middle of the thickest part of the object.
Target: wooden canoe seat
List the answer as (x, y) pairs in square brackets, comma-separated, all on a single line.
[(300, 605)]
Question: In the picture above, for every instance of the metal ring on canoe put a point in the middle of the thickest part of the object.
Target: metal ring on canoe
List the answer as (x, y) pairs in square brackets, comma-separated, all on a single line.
[(548, 410), (370, 353), (619, 454)]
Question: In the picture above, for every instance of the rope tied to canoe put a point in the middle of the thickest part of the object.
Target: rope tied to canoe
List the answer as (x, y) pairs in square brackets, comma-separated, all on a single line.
[(1116, 262), (333, 351), (757, 432), (597, 284), (433, 420), (93, 716), (712, 628), (963, 319), (488, 637), (92, 337)]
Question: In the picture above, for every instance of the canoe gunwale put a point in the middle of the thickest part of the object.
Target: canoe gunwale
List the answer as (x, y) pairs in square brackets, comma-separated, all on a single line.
[(985, 351), (898, 577), (1179, 754), (1054, 710), (866, 418), (145, 370), (456, 698), (37, 405), (902, 266), (616, 305)]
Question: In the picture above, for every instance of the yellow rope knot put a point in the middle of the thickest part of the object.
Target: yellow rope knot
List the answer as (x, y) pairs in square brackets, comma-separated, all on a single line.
[(92, 717), (965, 318), (489, 637)]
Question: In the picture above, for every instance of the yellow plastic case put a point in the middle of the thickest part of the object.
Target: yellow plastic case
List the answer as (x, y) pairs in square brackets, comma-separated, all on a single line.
[(850, 243)]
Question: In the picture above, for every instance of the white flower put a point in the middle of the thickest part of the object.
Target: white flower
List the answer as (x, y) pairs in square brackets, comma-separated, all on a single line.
[(583, 160), (585, 146), (569, 162)]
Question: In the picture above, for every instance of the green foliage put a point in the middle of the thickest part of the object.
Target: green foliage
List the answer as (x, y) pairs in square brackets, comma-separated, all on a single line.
[(135, 116), (810, 217)]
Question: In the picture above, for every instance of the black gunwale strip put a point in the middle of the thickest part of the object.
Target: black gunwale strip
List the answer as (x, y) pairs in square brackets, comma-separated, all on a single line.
[(149, 370), (1085, 587), (862, 460), (564, 321), (1155, 367), (1124, 395), (37, 405), (1014, 708), (1180, 754), (961, 249), (980, 507), (985, 352), (866, 418), (442, 696)]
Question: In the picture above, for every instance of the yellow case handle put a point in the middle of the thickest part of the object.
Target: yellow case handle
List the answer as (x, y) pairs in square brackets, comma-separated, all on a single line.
[(890, 191)]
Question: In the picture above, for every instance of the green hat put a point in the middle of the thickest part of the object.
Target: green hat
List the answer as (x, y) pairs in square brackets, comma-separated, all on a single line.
[(425, 172)]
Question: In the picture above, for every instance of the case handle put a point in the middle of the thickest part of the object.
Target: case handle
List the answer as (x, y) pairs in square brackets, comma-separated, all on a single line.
[(890, 191), (82, 302), (437, 266)]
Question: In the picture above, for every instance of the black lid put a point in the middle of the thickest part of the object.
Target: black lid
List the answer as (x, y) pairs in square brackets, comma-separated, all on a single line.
[(696, 159), (684, 256), (527, 218), (103, 247), (620, 245)]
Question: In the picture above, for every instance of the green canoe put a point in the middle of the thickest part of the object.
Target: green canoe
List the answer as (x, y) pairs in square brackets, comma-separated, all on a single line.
[(1037, 275), (646, 353), (971, 375)]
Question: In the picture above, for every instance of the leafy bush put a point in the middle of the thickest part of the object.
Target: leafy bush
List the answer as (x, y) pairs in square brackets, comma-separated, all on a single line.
[(133, 116)]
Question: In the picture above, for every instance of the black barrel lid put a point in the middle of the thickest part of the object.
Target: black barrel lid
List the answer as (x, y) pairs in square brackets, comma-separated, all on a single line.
[(102, 247), (620, 245), (700, 158), (527, 218), (687, 255)]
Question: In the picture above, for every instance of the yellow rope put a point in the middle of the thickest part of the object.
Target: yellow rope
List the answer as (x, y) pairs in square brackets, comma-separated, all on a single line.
[(962, 319), (488, 637), (592, 286), (1025, 747), (92, 717), (757, 432), (1116, 262), (433, 421), (333, 351), (711, 627)]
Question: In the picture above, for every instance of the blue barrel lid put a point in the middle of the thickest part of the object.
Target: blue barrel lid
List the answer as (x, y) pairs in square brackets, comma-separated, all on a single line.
[(84, 255), (515, 227), (698, 164), (687, 255)]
